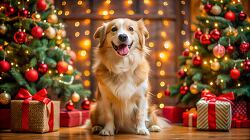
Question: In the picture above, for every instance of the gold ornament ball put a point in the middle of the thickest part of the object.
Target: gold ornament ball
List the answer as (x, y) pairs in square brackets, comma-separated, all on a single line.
[(194, 89), (189, 62), (50, 32), (3, 29), (230, 31), (52, 18), (216, 10), (61, 33), (5, 98), (75, 97), (70, 69), (36, 17), (215, 66)]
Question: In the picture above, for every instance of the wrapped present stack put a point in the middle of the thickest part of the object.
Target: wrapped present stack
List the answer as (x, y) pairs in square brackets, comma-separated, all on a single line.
[(35, 113), (214, 113), (190, 118), (240, 117), (173, 113)]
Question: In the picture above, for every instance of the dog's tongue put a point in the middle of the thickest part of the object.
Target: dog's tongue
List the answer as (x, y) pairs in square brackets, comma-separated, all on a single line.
[(123, 50)]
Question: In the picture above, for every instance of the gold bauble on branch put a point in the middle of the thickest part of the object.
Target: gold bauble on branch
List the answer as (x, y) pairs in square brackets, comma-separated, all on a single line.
[(36, 16), (5, 98), (52, 18), (230, 31), (70, 70), (75, 97), (215, 66), (50, 33), (61, 33), (194, 88), (3, 29)]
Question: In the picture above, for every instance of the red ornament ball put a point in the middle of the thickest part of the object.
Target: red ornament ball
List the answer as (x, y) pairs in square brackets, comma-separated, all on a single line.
[(215, 34), (23, 13), (197, 61), (244, 47), (219, 51), (183, 90), (198, 34), (20, 37), (208, 7), (4, 66), (85, 104), (9, 11), (69, 106), (181, 73), (72, 55), (62, 67), (37, 32), (230, 49), (230, 16), (246, 65), (235, 73), (242, 16), (41, 5), (42, 68), (31, 75), (185, 52), (205, 39), (167, 92)]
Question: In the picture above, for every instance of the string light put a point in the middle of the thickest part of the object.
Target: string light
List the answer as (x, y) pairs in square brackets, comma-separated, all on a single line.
[(161, 105), (167, 45), (111, 12), (165, 3), (87, 32), (86, 73), (79, 2), (146, 1), (130, 12), (163, 56), (211, 83), (151, 44), (162, 72), (130, 2), (158, 64), (66, 13), (85, 43), (165, 22), (86, 83), (77, 24), (88, 11), (146, 12), (205, 62), (64, 3), (107, 1), (160, 12), (77, 34), (238, 84), (159, 95)]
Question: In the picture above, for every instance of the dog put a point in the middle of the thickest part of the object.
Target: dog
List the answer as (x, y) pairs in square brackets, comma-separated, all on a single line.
[(122, 71)]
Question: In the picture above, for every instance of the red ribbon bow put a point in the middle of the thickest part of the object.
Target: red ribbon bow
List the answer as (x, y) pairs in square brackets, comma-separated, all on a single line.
[(40, 96), (211, 99)]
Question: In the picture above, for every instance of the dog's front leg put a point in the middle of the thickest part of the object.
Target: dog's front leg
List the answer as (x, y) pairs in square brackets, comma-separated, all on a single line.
[(141, 116)]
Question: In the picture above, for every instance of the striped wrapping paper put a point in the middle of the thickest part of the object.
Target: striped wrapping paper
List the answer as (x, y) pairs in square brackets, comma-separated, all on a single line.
[(216, 115)]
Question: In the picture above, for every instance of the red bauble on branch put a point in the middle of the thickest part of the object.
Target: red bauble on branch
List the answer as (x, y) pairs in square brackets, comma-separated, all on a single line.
[(4, 66), (69, 106), (183, 90), (208, 7), (230, 16), (181, 73), (31, 75), (42, 68), (242, 16), (85, 104), (205, 91), (41, 5), (10, 10), (235, 74), (205, 39), (246, 65), (185, 52), (244, 47), (197, 34), (167, 92), (62, 67), (215, 34), (20, 37), (23, 13), (230, 49), (197, 61), (37, 32), (219, 51)]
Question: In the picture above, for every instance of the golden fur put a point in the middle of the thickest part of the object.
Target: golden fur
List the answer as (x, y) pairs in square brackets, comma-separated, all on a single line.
[(122, 97)]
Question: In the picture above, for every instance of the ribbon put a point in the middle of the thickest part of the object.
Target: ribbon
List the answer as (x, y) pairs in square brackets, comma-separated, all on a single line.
[(40, 96), (211, 99)]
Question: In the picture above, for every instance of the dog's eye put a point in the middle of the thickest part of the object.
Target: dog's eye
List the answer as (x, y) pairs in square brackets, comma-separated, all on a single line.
[(131, 29), (114, 29)]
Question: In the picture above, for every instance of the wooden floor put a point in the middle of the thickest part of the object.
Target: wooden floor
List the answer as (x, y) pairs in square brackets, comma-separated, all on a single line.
[(175, 132)]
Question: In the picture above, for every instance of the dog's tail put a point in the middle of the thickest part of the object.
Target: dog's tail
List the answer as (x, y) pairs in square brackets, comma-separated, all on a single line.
[(157, 120)]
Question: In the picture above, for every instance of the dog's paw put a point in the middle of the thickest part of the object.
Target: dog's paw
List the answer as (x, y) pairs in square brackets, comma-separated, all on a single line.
[(154, 128), (142, 131), (96, 129), (107, 132)]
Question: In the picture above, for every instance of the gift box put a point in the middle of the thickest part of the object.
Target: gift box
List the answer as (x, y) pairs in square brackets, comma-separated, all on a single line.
[(73, 118), (173, 113), (34, 113), (240, 123), (214, 113), (190, 118), (239, 108), (5, 119)]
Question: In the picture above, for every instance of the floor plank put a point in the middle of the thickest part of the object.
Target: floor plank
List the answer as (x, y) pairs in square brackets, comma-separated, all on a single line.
[(175, 132)]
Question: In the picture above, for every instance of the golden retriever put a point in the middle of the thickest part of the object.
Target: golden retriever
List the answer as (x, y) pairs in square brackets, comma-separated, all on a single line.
[(121, 71)]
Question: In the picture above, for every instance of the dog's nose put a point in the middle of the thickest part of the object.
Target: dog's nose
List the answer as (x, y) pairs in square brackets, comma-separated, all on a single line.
[(123, 37)]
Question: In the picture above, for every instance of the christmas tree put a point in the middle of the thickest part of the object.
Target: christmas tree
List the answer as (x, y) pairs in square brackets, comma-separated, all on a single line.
[(35, 52), (217, 59)]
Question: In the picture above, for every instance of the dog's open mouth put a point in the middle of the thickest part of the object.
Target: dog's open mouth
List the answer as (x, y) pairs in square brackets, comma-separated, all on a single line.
[(122, 49)]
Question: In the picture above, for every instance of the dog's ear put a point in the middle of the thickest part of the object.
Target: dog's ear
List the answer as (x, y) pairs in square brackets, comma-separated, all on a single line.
[(143, 32), (100, 33)]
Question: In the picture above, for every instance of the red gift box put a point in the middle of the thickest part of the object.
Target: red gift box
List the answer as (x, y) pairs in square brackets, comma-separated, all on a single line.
[(5, 119), (73, 118), (190, 118), (173, 113), (239, 108), (240, 123)]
